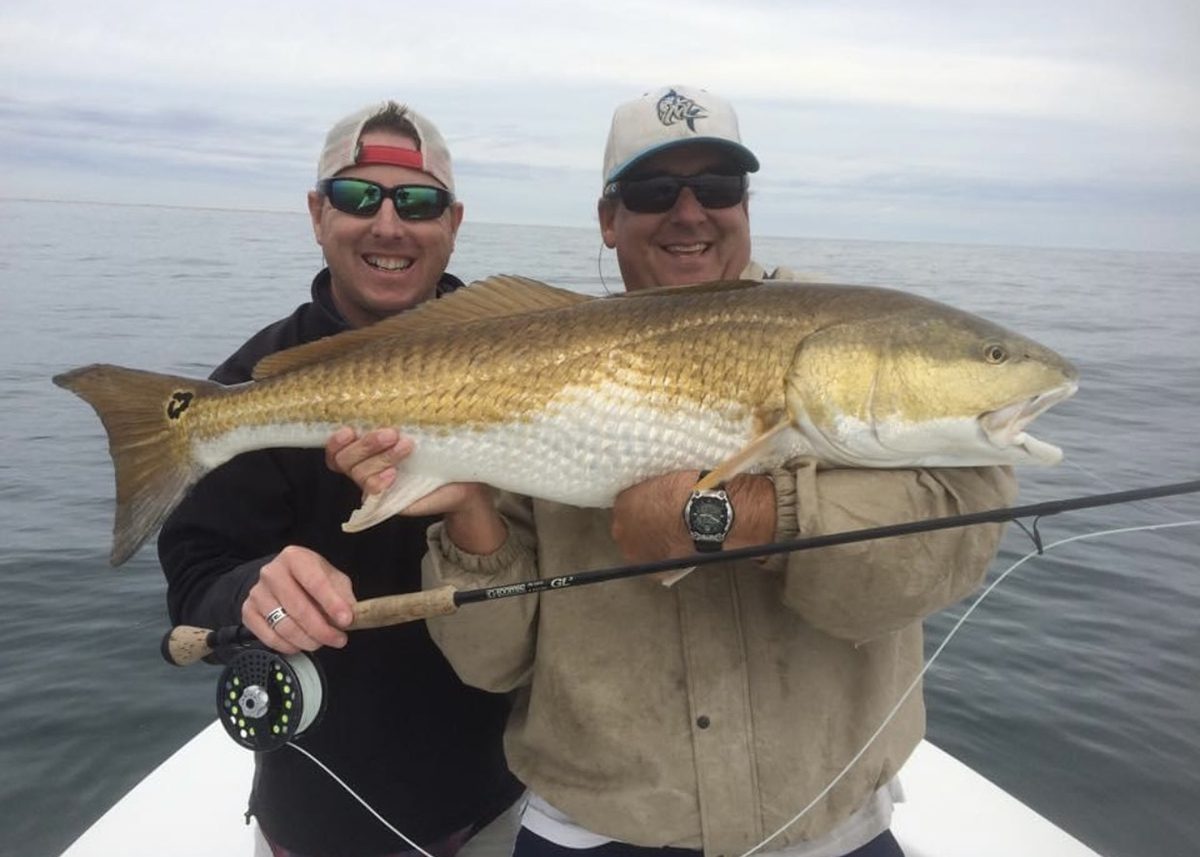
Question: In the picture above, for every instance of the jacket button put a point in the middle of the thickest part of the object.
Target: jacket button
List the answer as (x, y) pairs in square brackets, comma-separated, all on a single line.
[(702, 721)]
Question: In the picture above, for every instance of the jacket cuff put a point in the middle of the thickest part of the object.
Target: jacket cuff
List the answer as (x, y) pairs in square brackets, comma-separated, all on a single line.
[(484, 566), (787, 525)]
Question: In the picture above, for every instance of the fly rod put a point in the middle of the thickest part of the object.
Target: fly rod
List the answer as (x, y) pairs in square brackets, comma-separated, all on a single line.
[(185, 644)]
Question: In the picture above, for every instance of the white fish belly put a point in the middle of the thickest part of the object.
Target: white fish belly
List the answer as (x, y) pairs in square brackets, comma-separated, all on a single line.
[(216, 450), (585, 448)]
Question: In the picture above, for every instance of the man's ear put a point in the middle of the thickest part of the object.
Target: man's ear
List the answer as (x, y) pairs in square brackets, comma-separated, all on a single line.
[(606, 210), (316, 202), (456, 218)]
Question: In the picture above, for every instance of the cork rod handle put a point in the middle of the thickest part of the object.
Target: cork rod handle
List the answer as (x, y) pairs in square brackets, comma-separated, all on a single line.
[(408, 607), (185, 644)]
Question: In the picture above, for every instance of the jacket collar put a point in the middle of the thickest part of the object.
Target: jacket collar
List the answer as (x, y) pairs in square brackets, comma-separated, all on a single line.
[(322, 297)]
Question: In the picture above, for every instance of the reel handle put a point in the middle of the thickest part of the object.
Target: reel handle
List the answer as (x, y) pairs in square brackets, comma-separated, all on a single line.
[(184, 645)]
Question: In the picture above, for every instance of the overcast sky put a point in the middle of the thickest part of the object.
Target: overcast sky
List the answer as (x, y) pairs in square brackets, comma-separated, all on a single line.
[(1043, 122)]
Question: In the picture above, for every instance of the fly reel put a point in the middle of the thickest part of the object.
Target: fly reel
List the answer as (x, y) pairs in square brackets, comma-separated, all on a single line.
[(265, 699)]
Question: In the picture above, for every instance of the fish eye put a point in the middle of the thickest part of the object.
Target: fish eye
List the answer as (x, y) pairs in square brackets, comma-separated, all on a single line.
[(994, 353)]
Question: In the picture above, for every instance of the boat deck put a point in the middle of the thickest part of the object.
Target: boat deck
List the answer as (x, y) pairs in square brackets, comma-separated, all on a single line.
[(949, 810)]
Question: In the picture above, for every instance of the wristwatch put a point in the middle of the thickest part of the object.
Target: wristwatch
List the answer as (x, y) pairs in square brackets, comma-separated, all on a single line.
[(708, 515)]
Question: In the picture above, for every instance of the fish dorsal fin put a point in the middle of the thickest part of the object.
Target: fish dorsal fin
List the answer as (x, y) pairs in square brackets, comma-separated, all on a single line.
[(494, 297), (694, 288), (503, 294)]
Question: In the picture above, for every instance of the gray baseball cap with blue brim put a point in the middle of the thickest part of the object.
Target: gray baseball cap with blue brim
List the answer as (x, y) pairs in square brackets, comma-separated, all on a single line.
[(669, 117)]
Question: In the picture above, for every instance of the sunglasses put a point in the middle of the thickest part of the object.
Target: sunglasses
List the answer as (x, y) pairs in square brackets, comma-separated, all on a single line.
[(362, 198), (658, 194)]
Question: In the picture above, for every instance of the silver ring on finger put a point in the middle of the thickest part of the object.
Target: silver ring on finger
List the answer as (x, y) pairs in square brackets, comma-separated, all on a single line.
[(276, 616)]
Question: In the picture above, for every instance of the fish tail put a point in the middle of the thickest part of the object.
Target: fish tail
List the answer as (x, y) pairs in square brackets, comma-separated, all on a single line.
[(148, 419)]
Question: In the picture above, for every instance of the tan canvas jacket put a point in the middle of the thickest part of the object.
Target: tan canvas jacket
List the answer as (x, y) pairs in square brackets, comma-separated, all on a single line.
[(708, 714)]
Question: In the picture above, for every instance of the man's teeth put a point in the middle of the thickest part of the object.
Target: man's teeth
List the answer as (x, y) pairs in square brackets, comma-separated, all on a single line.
[(698, 247), (387, 263)]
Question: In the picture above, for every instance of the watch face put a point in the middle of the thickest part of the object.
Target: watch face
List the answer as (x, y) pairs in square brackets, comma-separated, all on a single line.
[(708, 516)]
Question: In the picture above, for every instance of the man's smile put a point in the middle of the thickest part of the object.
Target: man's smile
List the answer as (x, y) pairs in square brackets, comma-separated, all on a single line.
[(388, 263), (692, 249)]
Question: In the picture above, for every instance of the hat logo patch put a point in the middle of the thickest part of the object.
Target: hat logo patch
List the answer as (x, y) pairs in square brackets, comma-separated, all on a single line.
[(673, 108)]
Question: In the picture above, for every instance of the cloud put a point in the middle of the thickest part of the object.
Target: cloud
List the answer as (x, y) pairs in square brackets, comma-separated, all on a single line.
[(1073, 111)]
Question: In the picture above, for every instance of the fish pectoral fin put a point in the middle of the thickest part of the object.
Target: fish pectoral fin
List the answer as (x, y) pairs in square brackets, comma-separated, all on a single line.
[(746, 457), (670, 578), (739, 462), (406, 490)]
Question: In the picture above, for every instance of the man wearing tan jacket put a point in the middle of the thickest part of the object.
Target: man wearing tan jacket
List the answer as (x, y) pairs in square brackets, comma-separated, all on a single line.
[(651, 721)]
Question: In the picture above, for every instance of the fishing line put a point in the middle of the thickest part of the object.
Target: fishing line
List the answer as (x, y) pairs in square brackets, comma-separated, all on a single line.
[(600, 270), (937, 652), (874, 736), (184, 645), (1108, 483), (354, 795)]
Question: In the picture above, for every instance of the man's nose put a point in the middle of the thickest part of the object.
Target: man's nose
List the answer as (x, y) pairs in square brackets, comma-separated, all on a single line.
[(387, 222), (687, 207)]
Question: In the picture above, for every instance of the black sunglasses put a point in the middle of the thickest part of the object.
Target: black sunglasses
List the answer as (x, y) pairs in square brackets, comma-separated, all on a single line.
[(363, 198), (658, 194)]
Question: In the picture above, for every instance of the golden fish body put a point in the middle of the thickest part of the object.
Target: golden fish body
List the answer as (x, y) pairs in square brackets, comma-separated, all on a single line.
[(569, 398)]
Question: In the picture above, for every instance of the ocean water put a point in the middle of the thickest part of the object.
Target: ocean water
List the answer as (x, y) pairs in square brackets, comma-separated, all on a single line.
[(1075, 686)]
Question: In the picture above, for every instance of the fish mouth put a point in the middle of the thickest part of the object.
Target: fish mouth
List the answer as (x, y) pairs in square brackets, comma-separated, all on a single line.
[(1005, 426)]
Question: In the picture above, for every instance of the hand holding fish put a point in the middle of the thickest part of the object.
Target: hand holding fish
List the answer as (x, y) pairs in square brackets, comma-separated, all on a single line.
[(370, 460), (317, 601)]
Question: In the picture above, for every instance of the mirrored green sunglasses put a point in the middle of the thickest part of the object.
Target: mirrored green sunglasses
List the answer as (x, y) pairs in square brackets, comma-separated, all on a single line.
[(362, 198)]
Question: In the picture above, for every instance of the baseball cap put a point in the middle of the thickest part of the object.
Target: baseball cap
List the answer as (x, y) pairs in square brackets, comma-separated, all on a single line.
[(668, 117), (342, 148)]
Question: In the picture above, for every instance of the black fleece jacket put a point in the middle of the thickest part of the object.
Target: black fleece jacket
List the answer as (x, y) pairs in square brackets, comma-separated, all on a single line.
[(399, 727)]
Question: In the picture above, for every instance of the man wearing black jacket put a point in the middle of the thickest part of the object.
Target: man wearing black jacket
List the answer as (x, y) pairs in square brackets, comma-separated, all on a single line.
[(259, 541)]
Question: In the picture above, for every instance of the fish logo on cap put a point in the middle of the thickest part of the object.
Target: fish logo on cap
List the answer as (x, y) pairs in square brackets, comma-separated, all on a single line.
[(674, 107)]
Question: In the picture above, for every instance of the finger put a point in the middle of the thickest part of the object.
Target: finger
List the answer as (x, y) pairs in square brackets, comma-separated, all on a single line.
[(367, 446), (338, 441), (377, 470), (346, 448), (276, 588), (371, 460), (345, 589), (374, 476), (254, 618), (308, 625), (328, 590), (297, 579)]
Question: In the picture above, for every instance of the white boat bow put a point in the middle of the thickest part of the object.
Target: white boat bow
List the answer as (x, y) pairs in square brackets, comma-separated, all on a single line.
[(195, 803)]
